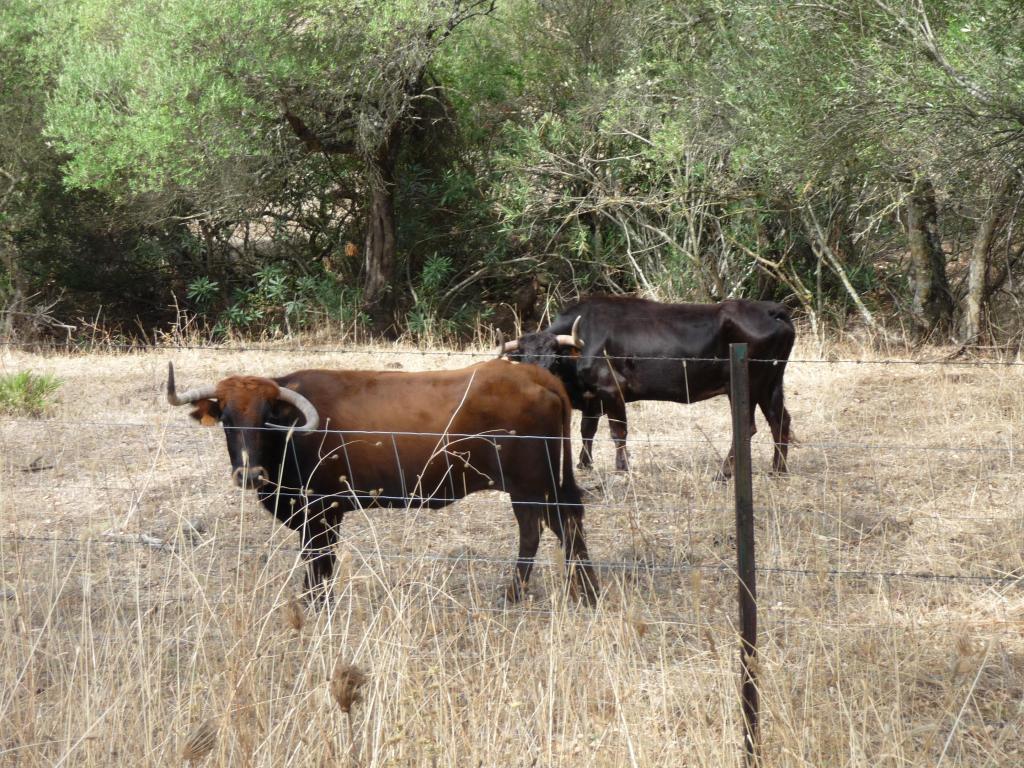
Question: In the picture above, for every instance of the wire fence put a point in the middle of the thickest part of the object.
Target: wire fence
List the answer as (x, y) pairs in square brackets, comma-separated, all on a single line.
[(99, 540), (88, 347), (1009, 447), (32, 478)]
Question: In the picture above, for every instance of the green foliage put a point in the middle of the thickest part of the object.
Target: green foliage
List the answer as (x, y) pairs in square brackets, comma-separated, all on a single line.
[(202, 291), (27, 394), (277, 301), (426, 318), (688, 150)]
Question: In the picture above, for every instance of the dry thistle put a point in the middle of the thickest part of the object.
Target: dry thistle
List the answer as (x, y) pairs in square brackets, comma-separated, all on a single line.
[(711, 642), (294, 616), (345, 684), (200, 742), (964, 646), (640, 626), (962, 661)]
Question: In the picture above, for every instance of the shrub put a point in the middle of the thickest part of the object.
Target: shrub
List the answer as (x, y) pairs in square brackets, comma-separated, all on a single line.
[(27, 393)]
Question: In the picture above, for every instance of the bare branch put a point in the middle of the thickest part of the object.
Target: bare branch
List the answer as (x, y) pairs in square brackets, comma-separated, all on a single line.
[(459, 15), (313, 143)]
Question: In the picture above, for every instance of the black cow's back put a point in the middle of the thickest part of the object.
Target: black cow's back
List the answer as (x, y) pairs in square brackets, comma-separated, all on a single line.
[(678, 352)]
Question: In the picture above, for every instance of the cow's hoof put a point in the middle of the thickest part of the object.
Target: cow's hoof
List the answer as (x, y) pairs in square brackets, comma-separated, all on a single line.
[(322, 603), (587, 593), (512, 596), (583, 591)]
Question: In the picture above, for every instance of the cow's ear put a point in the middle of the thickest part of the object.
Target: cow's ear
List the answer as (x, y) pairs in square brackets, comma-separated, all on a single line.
[(207, 412)]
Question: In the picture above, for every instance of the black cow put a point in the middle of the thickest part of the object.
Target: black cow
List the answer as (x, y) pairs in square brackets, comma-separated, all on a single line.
[(394, 439), (612, 350)]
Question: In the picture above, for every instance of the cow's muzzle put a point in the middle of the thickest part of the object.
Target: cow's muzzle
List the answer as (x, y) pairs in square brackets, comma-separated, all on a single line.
[(250, 477)]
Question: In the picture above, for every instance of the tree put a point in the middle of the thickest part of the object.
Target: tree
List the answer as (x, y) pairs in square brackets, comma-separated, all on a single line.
[(228, 102), (22, 152)]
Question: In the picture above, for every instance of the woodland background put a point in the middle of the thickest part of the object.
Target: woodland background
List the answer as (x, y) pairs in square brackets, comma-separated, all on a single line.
[(251, 168)]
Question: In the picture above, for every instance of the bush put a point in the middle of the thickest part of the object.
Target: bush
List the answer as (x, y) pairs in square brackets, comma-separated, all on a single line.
[(26, 393)]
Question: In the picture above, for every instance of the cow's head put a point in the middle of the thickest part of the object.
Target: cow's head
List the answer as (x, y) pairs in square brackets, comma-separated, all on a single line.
[(253, 411), (543, 348), (555, 352)]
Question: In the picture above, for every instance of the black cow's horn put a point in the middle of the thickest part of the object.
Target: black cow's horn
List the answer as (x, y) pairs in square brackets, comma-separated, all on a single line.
[(306, 408), (573, 340), (508, 346), (190, 396)]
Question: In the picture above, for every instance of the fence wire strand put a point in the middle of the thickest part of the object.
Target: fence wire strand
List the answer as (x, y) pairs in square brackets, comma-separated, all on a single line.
[(477, 353), (637, 566)]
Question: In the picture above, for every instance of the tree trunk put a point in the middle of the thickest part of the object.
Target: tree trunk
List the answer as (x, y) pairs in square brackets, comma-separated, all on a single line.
[(379, 246), (932, 307), (977, 281), (823, 251), (11, 302)]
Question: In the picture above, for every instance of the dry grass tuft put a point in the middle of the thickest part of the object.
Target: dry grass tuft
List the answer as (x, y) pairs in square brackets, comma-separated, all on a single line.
[(200, 743), (345, 684)]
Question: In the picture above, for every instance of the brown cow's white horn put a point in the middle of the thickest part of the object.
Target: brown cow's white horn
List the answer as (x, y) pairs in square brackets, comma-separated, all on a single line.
[(190, 396), (573, 340), (306, 408)]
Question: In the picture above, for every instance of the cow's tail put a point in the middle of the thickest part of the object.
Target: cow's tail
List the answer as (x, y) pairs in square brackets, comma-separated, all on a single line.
[(784, 346), (568, 492), (785, 329)]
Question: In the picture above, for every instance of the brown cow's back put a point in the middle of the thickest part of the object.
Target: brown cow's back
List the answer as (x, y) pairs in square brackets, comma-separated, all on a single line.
[(400, 434)]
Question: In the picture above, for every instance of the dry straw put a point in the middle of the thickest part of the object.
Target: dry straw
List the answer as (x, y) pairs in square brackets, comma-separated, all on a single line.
[(855, 671), (200, 743)]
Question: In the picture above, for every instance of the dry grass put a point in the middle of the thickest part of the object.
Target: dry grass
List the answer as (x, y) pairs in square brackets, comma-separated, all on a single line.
[(167, 620)]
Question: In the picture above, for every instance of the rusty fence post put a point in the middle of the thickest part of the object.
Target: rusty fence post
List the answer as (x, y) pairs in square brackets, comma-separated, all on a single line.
[(741, 419)]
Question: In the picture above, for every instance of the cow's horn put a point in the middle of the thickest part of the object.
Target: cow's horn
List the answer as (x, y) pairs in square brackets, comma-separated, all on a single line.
[(306, 408), (508, 346), (574, 339), (190, 396)]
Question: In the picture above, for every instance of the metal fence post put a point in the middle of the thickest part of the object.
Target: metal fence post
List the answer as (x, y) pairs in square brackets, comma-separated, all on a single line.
[(741, 420)]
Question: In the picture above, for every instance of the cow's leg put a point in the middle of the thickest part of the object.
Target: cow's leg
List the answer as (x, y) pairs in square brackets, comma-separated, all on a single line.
[(615, 407), (588, 428), (529, 519), (566, 522), (729, 465), (318, 540), (774, 410)]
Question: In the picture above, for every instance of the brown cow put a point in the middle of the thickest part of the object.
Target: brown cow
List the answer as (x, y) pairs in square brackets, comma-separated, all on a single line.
[(315, 444)]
